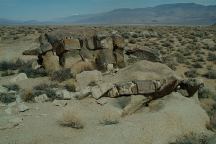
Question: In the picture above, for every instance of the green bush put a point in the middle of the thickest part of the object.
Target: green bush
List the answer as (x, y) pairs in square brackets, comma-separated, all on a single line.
[(192, 73), (7, 98), (197, 65), (211, 57), (33, 73), (206, 93), (211, 74), (12, 87), (193, 139)]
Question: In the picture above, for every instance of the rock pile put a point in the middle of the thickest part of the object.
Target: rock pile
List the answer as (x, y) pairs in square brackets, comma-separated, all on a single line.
[(58, 48)]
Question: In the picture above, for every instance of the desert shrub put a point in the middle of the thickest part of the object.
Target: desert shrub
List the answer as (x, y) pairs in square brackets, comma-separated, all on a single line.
[(192, 139), (61, 75), (70, 87), (45, 89), (134, 35), (132, 41), (27, 95), (126, 35), (12, 87), (33, 73), (7, 98), (197, 65), (211, 57), (192, 73), (70, 118), (7, 73), (166, 44), (200, 59), (6, 65), (180, 58), (211, 74), (206, 93)]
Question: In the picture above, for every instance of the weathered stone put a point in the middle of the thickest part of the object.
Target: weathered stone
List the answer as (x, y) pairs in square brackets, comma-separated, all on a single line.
[(127, 88), (46, 47), (41, 98), (50, 62), (101, 89), (104, 58), (153, 88), (119, 57), (104, 41), (90, 43), (87, 54), (145, 87), (118, 42), (19, 77), (71, 44), (69, 58), (87, 77), (144, 54)]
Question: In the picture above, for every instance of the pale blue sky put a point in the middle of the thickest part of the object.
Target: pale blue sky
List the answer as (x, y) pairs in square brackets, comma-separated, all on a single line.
[(49, 9)]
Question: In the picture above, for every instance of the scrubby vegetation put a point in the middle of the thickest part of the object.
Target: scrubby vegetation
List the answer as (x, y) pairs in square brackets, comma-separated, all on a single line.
[(61, 75), (70, 118)]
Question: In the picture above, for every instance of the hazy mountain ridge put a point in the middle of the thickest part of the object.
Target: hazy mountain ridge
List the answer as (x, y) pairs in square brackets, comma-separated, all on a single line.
[(181, 13)]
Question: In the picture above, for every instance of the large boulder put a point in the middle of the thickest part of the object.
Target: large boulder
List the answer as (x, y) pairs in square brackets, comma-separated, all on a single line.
[(104, 58), (175, 116), (87, 77), (143, 70)]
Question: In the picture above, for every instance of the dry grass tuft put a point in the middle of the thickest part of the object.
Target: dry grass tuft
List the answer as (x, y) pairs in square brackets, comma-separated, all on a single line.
[(70, 118)]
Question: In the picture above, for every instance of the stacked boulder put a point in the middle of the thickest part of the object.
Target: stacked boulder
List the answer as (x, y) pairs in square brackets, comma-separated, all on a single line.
[(58, 48)]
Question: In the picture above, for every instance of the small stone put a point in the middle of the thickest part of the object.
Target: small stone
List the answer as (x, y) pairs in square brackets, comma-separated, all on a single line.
[(99, 90), (63, 94), (60, 103), (83, 93), (19, 77), (102, 101), (41, 98)]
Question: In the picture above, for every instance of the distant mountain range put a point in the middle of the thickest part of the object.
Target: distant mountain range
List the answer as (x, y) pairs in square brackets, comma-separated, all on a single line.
[(177, 14)]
